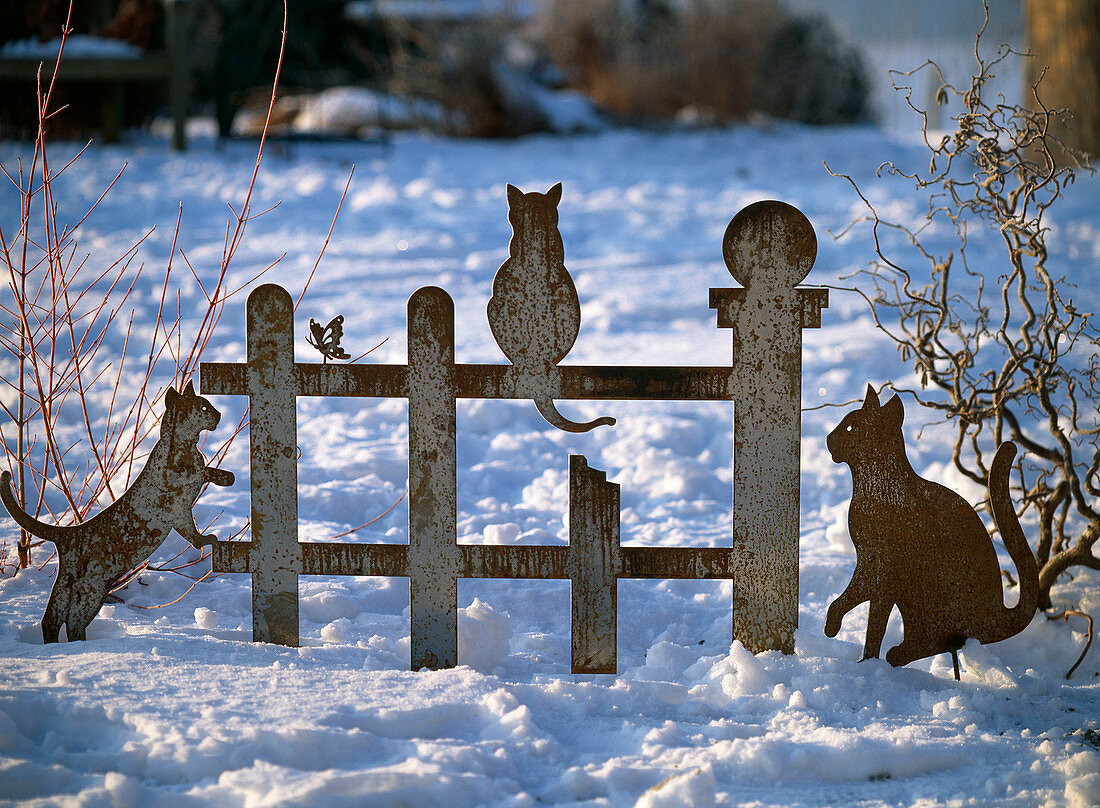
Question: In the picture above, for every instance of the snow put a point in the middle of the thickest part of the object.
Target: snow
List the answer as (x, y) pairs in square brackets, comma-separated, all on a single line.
[(562, 110), (365, 10), (77, 46), (204, 618), (359, 112), (348, 110), (567, 110), (171, 705)]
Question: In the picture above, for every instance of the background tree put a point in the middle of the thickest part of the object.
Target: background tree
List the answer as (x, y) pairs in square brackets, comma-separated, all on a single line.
[(1065, 36)]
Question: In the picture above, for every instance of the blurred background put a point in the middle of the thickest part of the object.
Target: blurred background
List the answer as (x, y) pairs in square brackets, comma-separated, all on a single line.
[(503, 68)]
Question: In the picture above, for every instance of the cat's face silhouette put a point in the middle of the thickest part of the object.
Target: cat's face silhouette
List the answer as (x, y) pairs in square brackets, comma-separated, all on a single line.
[(533, 205), (868, 430), (191, 412)]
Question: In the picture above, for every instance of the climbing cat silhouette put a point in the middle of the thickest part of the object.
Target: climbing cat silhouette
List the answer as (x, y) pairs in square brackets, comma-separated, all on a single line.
[(534, 313), (922, 547), (93, 555)]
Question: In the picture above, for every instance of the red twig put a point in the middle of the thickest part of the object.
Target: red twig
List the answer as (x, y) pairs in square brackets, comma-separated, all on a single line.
[(1065, 616), (375, 519), (324, 246)]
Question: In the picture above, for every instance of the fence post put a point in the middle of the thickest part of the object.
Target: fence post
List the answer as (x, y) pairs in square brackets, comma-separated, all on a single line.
[(275, 557), (769, 247), (595, 564), (435, 559)]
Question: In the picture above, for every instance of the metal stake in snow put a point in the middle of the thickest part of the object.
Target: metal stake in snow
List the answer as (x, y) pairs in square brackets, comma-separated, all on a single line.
[(534, 316)]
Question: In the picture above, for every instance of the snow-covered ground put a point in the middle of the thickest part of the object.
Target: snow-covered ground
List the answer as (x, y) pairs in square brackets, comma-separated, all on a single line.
[(174, 706)]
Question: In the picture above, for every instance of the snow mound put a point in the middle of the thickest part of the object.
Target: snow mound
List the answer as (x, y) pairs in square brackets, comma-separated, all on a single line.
[(484, 636)]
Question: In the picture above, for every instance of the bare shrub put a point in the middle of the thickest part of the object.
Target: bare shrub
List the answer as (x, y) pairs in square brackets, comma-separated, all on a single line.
[(65, 311), (1001, 352), (461, 66), (722, 60), (629, 64), (808, 74), (724, 49)]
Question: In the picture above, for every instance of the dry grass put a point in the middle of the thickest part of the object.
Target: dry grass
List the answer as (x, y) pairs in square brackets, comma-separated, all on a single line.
[(713, 60)]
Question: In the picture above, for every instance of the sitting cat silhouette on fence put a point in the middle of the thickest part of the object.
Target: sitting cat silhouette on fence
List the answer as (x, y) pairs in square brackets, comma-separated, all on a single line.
[(922, 547), (93, 555), (534, 312)]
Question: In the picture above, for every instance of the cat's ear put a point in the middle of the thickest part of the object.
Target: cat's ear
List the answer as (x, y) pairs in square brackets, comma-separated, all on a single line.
[(171, 397), (189, 390), (515, 196), (870, 400), (554, 195), (893, 411)]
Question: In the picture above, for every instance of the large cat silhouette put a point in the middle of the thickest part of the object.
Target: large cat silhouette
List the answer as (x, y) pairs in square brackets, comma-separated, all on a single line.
[(921, 546), (92, 555), (534, 312)]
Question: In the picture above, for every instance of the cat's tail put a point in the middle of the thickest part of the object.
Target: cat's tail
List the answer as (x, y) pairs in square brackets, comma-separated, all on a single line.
[(23, 519), (1014, 620), (548, 410)]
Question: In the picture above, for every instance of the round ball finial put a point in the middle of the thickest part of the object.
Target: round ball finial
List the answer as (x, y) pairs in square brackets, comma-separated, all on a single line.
[(769, 242)]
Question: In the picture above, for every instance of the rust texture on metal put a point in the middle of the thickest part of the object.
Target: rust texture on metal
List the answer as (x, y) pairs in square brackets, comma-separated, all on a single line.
[(595, 566), (769, 248), (94, 555), (276, 559), (435, 559), (921, 547), (534, 315)]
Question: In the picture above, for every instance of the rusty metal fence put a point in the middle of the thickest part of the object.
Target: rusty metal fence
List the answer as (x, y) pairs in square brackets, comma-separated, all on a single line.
[(769, 248)]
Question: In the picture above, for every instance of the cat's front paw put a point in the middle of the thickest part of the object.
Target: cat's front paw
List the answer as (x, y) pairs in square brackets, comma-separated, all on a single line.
[(204, 540), (832, 622), (221, 477)]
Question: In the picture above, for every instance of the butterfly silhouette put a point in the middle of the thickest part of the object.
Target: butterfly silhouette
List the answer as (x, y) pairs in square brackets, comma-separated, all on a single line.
[(327, 339)]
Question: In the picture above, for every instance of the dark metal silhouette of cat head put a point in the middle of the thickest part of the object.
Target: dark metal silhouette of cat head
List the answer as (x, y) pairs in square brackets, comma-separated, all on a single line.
[(534, 313), (870, 434), (187, 414), (922, 547), (92, 555)]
